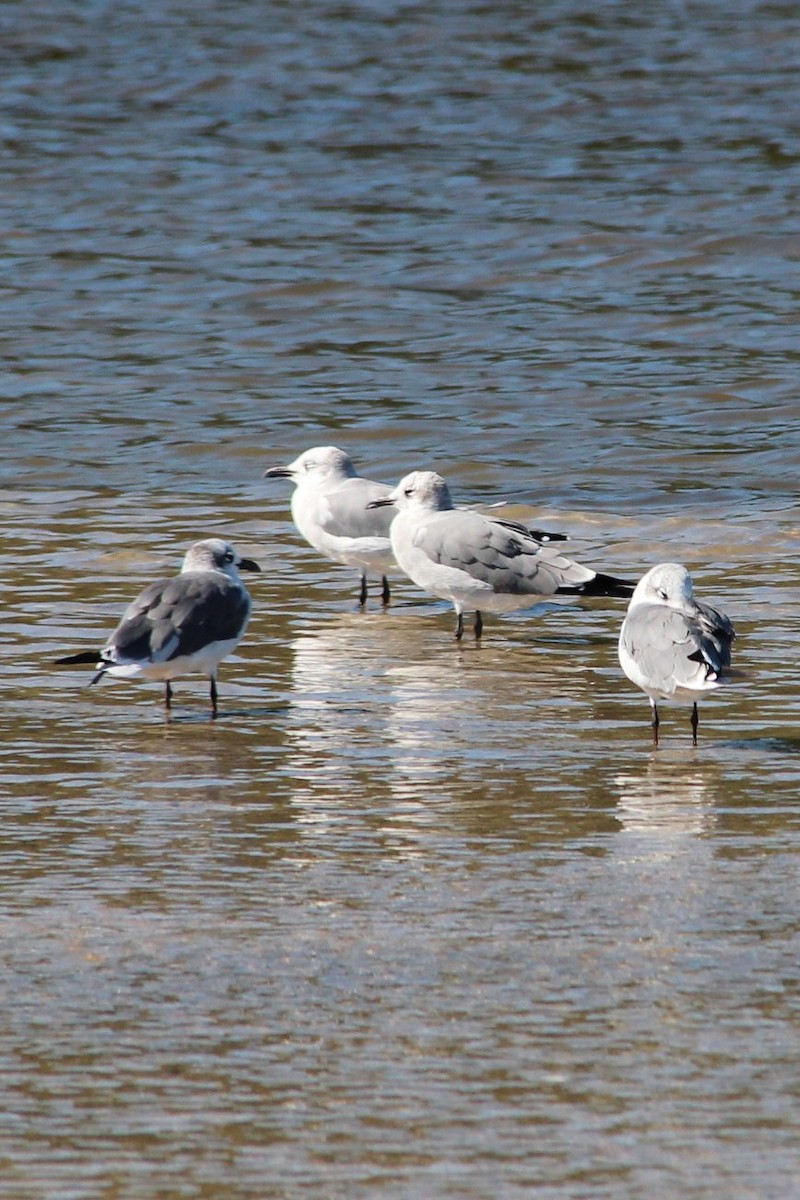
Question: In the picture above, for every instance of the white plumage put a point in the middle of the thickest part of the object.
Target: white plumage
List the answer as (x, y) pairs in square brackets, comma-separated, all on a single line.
[(330, 507)]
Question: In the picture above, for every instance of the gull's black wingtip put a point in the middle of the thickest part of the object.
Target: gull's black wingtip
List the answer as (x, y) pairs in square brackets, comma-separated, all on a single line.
[(544, 536), (608, 585), (84, 656)]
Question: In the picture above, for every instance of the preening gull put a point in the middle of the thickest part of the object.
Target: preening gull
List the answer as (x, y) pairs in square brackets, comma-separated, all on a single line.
[(179, 625), (330, 509), (479, 563), (671, 645)]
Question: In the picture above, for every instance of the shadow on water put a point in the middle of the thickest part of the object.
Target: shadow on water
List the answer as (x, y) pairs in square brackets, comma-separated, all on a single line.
[(769, 745), (225, 715)]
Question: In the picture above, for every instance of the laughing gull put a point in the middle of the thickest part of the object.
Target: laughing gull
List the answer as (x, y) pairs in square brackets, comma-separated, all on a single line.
[(330, 509), (187, 623), (478, 562), (672, 646)]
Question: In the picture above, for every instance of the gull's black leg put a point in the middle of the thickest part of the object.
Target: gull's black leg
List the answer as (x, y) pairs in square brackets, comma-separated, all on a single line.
[(213, 694), (168, 696), (385, 593), (362, 596), (655, 723), (478, 625), (460, 627), (694, 720)]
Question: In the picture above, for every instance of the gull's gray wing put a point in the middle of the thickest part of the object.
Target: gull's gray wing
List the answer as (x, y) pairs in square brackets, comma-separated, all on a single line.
[(496, 553), (175, 617), (717, 627), (343, 512), (671, 648)]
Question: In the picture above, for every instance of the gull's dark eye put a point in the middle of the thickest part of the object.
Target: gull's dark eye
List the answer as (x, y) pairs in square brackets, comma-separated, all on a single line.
[(229, 557), (408, 492), (663, 594)]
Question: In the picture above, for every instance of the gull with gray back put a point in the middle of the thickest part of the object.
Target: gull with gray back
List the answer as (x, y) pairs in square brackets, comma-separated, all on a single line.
[(477, 562), (671, 645), (180, 625), (330, 507)]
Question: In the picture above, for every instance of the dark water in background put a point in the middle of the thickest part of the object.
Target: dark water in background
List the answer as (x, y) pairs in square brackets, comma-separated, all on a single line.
[(410, 920)]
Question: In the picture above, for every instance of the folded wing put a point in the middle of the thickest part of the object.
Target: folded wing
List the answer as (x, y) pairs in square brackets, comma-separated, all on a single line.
[(343, 512), (496, 553), (672, 649), (170, 619)]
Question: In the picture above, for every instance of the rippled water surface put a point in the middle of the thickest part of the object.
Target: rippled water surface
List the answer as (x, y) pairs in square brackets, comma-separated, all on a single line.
[(411, 919)]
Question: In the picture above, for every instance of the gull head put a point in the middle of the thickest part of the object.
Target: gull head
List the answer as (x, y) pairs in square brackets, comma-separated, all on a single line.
[(318, 463), (215, 554), (420, 489), (669, 584)]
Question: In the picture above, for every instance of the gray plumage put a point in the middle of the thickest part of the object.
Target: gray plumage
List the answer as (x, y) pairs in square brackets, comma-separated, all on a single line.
[(671, 645), (494, 552), (177, 618), (187, 623), (476, 561)]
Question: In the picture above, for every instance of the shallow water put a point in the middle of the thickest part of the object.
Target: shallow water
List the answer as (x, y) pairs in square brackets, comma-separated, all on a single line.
[(411, 918)]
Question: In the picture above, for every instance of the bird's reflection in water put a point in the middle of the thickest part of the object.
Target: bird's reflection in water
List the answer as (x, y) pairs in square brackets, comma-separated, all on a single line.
[(374, 721), (666, 801)]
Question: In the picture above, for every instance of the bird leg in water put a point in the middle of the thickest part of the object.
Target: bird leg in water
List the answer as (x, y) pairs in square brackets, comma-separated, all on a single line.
[(167, 696), (478, 625), (460, 626), (655, 722), (385, 590), (362, 596), (694, 721)]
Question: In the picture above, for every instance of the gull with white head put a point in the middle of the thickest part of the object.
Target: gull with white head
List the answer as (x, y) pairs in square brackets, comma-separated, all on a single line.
[(330, 509), (477, 562), (179, 625), (671, 645)]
